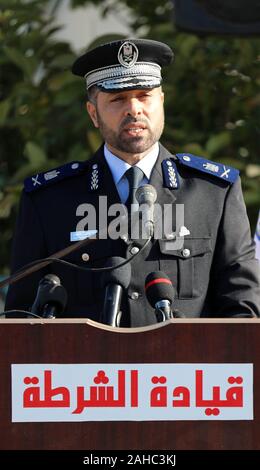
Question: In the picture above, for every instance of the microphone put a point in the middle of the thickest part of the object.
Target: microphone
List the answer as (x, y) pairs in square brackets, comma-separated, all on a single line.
[(146, 196), (160, 294), (51, 297), (114, 282)]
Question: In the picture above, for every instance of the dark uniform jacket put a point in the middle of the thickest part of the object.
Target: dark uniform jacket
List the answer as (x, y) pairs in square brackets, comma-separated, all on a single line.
[(215, 273)]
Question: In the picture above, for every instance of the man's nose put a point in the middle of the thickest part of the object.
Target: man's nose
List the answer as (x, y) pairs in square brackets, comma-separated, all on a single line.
[(133, 108)]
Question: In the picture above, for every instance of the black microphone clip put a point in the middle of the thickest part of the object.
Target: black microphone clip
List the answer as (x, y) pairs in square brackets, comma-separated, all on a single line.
[(114, 282)]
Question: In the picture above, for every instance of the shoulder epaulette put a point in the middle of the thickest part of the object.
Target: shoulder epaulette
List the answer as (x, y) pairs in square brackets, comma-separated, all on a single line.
[(52, 176), (224, 172)]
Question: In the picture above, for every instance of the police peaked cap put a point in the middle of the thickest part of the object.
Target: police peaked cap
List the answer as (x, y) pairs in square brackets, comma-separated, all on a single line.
[(124, 65)]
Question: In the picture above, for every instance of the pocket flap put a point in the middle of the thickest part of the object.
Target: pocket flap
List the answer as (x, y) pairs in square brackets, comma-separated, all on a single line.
[(93, 251), (191, 247)]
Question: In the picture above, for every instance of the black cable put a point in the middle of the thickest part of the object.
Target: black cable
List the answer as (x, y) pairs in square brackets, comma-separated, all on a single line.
[(108, 268), (2, 314), (67, 263)]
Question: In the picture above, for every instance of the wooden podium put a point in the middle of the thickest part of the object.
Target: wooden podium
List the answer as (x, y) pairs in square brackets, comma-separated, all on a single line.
[(84, 341)]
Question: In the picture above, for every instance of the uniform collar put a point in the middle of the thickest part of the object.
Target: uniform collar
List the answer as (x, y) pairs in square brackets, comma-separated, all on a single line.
[(118, 167), (106, 178), (164, 194)]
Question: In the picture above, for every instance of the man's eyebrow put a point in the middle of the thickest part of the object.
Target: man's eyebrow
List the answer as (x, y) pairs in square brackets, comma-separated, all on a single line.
[(116, 95)]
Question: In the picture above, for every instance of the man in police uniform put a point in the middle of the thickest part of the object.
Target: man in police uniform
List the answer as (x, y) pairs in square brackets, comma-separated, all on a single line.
[(215, 273)]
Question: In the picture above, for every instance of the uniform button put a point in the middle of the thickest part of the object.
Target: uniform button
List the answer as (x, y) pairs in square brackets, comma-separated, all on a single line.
[(85, 257), (74, 166), (135, 295), (186, 252), (134, 250), (186, 158)]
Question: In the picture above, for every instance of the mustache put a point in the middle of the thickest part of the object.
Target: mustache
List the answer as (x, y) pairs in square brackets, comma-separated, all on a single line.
[(131, 120)]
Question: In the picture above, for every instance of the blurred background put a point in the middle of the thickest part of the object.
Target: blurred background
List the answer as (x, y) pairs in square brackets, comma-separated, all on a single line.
[(212, 89)]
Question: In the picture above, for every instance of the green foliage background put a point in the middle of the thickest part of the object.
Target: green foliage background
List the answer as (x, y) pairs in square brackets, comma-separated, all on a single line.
[(212, 98)]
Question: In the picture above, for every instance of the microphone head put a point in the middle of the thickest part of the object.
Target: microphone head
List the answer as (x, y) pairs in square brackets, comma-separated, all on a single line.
[(158, 287), (120, 276), (146, 194), (50, 292)]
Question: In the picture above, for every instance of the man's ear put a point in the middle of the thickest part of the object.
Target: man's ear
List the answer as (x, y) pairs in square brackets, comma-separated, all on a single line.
[(91, 109), (162, 96)]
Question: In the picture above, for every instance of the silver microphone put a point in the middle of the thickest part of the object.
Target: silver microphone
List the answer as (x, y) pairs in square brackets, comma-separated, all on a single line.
[(146, 196)]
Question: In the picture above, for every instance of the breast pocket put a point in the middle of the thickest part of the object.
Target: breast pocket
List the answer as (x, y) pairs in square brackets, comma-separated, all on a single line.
[(83, 285), (188, 267)]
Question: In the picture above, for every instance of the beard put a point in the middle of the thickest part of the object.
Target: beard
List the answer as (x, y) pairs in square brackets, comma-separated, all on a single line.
[(131, 144)]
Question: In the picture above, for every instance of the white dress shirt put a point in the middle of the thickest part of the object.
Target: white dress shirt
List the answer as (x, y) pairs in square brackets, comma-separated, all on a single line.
[(118, 168)]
